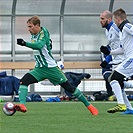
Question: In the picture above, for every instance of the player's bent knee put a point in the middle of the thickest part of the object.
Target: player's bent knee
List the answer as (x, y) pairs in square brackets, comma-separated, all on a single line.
[(67, 86), (118, 77), (28, 79), (109, 79), (106, 76)]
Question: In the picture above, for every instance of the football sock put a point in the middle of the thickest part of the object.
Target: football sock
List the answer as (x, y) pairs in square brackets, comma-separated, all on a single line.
[(23, 90), (128, 104), (117, 91), (78, 94)]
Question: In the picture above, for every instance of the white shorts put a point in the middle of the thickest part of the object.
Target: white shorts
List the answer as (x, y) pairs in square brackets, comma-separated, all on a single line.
[(126, 67), (114, 67)]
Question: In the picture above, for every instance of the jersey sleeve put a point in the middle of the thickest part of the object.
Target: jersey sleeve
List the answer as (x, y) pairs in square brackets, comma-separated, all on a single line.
[(117, 51), (36, 45), (39, 44), (128, 28)]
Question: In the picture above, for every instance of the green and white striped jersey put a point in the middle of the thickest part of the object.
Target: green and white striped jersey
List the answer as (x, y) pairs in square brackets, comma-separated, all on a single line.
[(40, 43)]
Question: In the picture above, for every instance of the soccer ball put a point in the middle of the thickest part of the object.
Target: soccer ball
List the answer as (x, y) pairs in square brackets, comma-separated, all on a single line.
[(8, 108)]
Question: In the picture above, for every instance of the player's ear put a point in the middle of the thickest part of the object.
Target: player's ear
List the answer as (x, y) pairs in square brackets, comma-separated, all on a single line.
[(37, 25), (110, 19)]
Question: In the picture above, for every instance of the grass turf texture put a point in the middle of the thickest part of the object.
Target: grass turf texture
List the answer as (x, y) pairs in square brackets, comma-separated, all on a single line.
[(65, 117)]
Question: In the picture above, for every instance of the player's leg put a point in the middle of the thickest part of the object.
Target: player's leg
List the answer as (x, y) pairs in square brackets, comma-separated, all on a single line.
[(128, 104), (57, 77), (26, 80), (128, 84), (124, 70), (108, 86), (116, 81), (78, 94)]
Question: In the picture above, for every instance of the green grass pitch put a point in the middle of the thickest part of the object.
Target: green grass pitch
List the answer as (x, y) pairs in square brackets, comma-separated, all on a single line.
[(65, 117)]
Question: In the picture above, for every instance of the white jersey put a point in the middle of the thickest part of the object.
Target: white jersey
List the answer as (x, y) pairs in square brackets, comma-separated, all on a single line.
[(126, 38), (114, 43)]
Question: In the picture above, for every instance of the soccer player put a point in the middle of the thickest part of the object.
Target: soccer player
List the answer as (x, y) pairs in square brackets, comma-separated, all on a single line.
[(112, 35), (125, 69), (45, 66)]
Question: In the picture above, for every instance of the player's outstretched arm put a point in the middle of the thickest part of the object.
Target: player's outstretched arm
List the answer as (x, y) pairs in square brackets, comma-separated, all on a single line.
[(106, 51), (36, 45)]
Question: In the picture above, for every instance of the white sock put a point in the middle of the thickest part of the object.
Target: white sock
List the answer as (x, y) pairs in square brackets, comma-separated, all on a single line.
[(117, 91), (128, 104), (128, 84)]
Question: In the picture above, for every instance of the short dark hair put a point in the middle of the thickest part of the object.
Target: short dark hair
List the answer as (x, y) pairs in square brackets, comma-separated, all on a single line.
[(34, 20), (120, 13)]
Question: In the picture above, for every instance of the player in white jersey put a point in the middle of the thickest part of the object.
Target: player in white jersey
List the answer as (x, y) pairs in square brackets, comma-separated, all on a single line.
[(114, 42), (124, 69)]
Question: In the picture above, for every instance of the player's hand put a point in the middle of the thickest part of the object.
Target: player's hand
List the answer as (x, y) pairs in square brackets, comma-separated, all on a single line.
[(104, 64), (104, 50), (21, 42)]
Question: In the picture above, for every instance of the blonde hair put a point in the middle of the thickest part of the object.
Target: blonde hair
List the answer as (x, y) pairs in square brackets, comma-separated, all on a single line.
[(34, 20)]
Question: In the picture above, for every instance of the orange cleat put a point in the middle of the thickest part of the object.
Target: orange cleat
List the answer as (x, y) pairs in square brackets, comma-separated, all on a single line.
[(20, 107), (92, 109)]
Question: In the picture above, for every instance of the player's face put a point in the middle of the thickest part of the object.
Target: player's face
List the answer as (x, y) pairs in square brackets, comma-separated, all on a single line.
[(103, 21), (116, 21), (33, 29)]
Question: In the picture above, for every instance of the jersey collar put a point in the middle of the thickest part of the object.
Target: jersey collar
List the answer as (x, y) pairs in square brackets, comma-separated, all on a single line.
[(122, 24), (109, 25)]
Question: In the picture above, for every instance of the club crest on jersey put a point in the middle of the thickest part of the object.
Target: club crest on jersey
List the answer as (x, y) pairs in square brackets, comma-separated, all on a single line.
[(32, 41)]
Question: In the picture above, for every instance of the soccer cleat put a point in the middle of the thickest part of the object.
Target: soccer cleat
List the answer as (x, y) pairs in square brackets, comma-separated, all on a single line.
[(127, 112), (92, 109), (20, 107), (117, 108)]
